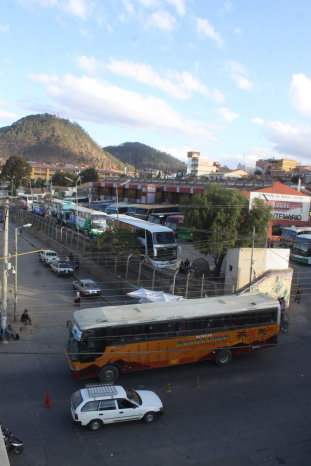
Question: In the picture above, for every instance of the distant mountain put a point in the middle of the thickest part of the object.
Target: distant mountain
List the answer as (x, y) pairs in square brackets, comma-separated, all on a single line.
[(48, 139), (144, 157)]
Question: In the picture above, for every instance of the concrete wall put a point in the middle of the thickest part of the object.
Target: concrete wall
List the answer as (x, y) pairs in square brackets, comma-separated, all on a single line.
[(238, 265)]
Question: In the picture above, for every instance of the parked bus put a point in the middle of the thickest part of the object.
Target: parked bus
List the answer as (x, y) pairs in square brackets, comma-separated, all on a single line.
[(90, 222), (38, 207), (142, 211), (301, 250), (99, 205), (121, 209), (175, 222), (59, 209), (158, 242), (105, 341), (289, 234), (160, 217)]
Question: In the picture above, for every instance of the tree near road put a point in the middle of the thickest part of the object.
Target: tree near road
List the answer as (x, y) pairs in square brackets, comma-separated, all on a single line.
[(14, 170), (221, 220)]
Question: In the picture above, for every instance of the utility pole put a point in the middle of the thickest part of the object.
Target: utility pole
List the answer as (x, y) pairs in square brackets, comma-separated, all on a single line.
[(5, 267), (252, 256)]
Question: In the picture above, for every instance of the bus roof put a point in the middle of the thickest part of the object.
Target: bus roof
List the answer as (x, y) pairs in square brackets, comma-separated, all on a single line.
[(86, 209), (137, 222), (108, 316)]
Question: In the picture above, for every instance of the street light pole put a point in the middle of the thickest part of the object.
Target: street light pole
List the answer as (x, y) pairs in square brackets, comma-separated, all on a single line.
[(27, 225), (5, 267), (77, 218), (117, 197)]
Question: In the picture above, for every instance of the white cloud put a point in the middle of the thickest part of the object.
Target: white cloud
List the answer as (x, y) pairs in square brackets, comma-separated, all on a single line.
[(180, 152), (79, 8), (128, 7), (227, 114), (179, 5), (227, 8), (150, 3), (179, 85), (89, 64), (205, 29), (238, 31), (300, 94), (162, 20), (238, 73), (4, 115), (4, 27), (290, 140), (258, 121), (100, 102)]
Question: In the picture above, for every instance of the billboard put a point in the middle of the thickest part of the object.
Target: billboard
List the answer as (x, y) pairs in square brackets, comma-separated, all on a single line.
[(285, 207)]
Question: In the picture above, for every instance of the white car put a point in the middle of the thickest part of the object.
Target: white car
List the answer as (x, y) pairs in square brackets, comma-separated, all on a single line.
[(62, 268), (96, 405), (48, 257), (87, 287)]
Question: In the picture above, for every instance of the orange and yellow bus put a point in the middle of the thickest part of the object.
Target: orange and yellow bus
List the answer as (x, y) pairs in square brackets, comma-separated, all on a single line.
[(106, 341)]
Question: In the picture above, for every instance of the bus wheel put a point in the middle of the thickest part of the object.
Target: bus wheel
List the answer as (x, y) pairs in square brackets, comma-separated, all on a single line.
[(223, 357), (108, 374), (149, 417), (96, 424)]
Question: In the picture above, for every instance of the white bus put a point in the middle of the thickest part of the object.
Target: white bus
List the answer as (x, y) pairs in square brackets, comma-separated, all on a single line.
[(91, 222), (159, 242), (301, 250)]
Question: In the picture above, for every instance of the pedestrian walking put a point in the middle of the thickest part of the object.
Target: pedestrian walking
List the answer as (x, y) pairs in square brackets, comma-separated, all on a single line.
[(298, 294), (77, 265), (25, 318), (77, 299)]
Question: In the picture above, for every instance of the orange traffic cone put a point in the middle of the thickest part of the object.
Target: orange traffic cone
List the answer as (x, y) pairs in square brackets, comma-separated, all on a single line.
[(47, 403)]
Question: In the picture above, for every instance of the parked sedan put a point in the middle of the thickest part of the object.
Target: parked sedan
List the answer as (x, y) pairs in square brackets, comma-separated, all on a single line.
[(62, 268), (87, 287)]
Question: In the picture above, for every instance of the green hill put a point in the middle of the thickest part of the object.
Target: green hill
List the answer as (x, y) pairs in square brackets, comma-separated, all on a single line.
[(144, 157), (48, 139)]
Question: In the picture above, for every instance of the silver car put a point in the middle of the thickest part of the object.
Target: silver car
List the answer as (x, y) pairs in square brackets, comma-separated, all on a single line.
[(87, 287)]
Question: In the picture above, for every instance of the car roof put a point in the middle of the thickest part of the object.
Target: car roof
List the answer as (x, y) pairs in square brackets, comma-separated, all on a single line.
[(102, 391), (87, 280)]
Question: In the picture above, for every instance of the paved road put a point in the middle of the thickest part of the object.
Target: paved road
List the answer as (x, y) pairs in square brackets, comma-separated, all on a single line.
[(254, 412)]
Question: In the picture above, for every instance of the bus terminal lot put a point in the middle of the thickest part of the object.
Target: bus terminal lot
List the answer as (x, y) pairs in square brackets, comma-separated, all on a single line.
[(254, 412)]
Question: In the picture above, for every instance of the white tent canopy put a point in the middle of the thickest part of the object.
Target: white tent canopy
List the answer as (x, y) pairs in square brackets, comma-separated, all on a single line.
[(149, 296)]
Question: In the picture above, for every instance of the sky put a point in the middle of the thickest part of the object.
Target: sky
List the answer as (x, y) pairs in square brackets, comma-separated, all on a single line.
[(228, 79)]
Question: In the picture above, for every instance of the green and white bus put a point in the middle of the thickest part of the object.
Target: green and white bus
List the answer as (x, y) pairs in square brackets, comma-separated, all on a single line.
[(88, 221), (301, 250)]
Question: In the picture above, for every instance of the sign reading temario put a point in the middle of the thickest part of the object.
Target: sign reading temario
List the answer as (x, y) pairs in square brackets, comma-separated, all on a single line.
[(285, 206)]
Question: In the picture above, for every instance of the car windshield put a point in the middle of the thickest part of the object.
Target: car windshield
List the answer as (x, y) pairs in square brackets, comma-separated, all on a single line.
[(133, 396), (63, 264), (89, 285), (76, 399)]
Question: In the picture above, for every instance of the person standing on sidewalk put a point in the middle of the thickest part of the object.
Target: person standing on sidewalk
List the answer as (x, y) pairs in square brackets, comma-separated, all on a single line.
[(298, 294)]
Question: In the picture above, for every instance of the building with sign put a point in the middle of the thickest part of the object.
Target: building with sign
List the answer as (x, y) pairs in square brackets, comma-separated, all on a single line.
[(289, 206)]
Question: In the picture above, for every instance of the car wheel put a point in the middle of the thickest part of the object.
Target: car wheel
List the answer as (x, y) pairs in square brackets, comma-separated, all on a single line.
[(149, 417), (223, 357), (108, 374), (96, 424)]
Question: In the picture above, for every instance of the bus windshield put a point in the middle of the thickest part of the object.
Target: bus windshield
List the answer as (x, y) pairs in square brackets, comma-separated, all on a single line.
[(302, 246), (164, 237)]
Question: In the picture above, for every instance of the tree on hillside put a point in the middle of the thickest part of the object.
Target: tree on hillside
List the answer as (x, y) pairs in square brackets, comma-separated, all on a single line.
[(61, 179), (221, 219), (15, 170), (89, 174)]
